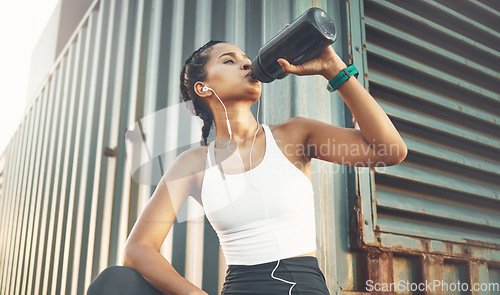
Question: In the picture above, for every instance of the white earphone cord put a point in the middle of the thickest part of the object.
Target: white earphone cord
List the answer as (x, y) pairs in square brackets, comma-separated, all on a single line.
[(263, 200)]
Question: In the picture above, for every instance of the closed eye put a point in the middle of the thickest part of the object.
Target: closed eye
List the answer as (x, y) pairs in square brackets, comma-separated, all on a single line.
[(228, 61)]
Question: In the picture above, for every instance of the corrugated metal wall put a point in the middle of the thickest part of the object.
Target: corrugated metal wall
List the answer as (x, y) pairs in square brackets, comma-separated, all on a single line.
[(66, 208), (434, 68), (68, 199)]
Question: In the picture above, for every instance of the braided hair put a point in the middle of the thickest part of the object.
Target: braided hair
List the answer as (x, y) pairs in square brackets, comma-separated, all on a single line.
[(192, 72)]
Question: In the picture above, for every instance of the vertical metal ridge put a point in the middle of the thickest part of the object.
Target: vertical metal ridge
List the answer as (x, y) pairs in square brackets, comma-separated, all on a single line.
[(9, 213), (47, 155), (77, 176), (12, 207), (36, 189), (22, 206), (73, 149), (179, 230), (124, 99), (7, 222), (54, 191), (130, 188), (3, 213), (94, 195), (110, 136), (66, 141), (27, 219), (49, 195), (18, 209), (82, 273), (4, 203), (195, 245)]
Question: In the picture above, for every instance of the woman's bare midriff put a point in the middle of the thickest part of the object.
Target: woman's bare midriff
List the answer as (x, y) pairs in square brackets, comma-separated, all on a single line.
[(313, 253)]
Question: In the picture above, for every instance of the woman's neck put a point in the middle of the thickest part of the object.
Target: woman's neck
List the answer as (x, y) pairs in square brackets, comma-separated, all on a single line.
[(243, 126)]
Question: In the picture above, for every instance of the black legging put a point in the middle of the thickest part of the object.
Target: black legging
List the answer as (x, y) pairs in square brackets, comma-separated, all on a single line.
[(240, 279), (121, 280), (255, 279)]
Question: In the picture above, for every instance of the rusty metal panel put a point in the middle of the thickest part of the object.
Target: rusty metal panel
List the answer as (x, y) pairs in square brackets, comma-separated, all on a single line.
[(433, 67), (453, 273), (493, 277)]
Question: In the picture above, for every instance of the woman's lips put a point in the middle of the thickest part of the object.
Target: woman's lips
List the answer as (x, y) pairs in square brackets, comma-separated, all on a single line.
[(249, 75)]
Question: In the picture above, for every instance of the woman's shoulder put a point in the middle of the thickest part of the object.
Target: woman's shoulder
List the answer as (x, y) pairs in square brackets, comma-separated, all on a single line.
[(193, 159), (291, 130), (293, 123)]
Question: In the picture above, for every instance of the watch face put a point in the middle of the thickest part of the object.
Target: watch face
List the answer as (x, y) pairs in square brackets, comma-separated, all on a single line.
[(329, 87)]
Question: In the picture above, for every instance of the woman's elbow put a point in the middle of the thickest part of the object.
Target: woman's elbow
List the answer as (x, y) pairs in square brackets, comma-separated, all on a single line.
[(129, 255), (396, 155), (388, 155)]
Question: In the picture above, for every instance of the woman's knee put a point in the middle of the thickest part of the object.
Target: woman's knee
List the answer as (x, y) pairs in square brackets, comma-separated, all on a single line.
[(120, 280)]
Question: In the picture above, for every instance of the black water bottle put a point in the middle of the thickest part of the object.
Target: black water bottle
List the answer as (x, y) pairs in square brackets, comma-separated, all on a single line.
[(303, 40)]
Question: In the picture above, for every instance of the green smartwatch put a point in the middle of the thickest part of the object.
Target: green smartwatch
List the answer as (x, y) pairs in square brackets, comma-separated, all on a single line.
[(341, 77)]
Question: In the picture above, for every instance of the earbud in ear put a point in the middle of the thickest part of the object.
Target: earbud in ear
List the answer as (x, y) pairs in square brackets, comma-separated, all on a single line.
[(206, 88)]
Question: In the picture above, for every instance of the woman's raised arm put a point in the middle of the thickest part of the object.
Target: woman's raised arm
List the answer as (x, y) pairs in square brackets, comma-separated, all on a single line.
[(376, 143)]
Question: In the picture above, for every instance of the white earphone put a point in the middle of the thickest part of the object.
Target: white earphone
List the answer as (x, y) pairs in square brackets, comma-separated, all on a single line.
[(206, 88)]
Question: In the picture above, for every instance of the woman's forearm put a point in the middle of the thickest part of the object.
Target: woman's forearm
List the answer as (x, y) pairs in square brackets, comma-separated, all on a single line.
[(157, 270)]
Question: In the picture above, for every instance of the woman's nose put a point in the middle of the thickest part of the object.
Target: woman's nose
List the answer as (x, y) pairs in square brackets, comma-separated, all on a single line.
[(246, 65)]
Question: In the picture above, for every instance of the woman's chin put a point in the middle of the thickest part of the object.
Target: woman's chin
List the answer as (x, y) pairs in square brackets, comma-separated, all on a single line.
[(256, 95)]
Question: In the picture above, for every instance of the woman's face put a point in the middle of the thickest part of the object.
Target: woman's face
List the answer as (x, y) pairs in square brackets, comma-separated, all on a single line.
[(228, 73)]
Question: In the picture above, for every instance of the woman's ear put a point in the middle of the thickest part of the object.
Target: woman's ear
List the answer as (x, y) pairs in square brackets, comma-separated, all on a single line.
[(198, 88)]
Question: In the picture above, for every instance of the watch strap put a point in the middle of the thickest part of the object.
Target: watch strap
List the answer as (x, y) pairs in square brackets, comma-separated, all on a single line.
[(341, 77)]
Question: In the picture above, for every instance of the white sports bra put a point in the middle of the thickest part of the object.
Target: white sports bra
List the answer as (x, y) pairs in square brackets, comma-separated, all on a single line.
[(236, 210)]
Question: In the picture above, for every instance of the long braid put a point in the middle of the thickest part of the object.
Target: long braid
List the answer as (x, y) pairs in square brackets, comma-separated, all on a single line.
[(192, 72), (208, 121)]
